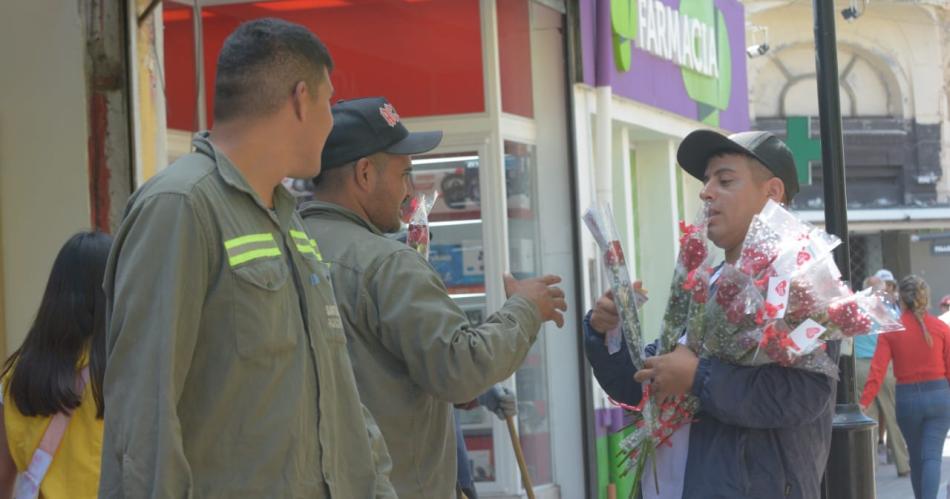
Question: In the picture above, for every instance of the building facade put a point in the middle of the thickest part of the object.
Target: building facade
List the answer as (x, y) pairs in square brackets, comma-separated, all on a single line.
[(894, 70)]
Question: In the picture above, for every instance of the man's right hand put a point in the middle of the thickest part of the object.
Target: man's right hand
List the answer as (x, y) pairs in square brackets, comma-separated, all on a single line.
[(605, 316), (543, 293)]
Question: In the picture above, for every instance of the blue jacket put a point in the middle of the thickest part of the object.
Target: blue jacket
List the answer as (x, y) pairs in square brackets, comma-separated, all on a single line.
[(761, 432)]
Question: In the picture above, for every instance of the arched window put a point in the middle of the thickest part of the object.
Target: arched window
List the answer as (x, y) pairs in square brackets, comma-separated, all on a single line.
[(785, 84)]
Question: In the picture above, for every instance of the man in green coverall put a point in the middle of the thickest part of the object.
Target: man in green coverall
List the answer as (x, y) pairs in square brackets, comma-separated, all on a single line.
[(227, 372), (414, 351)]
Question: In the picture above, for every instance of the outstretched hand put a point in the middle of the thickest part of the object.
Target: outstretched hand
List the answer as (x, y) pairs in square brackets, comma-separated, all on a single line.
[(543, 293)]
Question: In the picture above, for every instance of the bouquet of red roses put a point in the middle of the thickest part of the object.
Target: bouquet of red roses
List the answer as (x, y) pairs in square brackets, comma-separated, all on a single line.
[(655, 420), (778, 303), (601, 224), (784, 298)]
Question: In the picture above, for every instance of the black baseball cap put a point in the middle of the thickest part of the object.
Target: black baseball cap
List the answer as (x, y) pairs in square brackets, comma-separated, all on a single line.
[(696, 149), (362, 127)]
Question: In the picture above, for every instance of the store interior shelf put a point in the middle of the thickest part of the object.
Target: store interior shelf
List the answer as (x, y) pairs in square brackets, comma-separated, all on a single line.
[(451, 223)]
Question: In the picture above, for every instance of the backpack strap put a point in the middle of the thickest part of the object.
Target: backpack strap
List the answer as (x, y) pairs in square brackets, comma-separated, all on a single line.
[(29, 484), (57, 427)]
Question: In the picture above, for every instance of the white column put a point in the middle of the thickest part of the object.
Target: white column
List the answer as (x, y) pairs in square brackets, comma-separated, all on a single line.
[(603, 148), (492, 177), (658, 216), (494, 207), (557, 252), (622, 199)]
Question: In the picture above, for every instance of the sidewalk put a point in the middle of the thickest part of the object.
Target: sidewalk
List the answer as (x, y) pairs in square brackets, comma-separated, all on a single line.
[(890, 486)]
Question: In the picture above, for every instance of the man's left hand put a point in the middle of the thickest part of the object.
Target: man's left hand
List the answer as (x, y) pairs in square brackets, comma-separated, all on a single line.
[(501, 401), (670, 374)]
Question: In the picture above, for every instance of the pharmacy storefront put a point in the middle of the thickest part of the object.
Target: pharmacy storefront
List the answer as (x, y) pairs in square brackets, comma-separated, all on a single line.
[(651, 72), (491, 75)]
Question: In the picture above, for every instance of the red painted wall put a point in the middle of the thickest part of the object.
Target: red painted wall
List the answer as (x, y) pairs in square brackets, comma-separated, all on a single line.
[(514, 57), (424, 55)]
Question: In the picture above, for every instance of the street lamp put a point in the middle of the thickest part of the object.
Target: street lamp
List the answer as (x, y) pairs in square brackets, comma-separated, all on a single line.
[(850, 470)]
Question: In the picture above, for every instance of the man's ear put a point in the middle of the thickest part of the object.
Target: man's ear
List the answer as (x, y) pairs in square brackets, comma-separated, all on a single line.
[(364, 174), (775, 189), (298, 97)]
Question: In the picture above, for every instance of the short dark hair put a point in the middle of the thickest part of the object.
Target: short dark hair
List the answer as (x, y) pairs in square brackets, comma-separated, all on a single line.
[(261, 62), (333, 178), (70, 321)]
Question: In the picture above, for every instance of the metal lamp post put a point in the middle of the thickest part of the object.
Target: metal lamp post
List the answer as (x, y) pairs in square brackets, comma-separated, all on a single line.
[(850, 470)]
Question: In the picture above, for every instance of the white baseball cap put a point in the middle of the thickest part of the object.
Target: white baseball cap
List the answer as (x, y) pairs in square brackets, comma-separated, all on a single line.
[(885, 275)]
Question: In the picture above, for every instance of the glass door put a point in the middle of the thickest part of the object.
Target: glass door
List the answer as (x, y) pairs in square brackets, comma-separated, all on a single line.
[(524, 256), (457, 254), (455, 225)]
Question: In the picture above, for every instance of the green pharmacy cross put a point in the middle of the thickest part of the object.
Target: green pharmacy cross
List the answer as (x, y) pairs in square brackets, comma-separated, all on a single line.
[(804, 148)]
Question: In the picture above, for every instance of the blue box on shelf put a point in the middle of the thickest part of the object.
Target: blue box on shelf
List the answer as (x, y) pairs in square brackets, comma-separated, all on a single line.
[(458, 265)]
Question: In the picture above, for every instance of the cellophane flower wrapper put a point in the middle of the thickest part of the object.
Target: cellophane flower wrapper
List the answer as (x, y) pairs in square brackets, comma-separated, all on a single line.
[(418, 235), (779, 244), (812, 290), (822, 308), (836, 313), (819, 306), (770, 233), (864, 312), (778, 247), (798, 339), (600, 222), (742, 323), (775, 344), (654, 420), (690, 282)]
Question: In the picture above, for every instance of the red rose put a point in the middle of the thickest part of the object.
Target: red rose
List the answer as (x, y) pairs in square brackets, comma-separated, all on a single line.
[(614, 255), (801, 301), (692, 247), (418, 234), (754, 261), (847, 315)]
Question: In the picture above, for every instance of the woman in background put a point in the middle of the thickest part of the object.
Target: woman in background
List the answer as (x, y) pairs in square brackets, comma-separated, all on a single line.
[(52, 385), (921, 355)]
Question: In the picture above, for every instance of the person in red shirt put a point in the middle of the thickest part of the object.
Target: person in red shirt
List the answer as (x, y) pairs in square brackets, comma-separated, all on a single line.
[(921, 355)]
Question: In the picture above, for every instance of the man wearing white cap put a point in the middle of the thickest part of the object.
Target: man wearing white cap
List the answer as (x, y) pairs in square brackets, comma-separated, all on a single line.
[(945, 309), (882, 410), (890, 286)]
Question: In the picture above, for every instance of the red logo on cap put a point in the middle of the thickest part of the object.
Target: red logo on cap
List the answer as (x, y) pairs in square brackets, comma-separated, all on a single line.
[(388, 112)]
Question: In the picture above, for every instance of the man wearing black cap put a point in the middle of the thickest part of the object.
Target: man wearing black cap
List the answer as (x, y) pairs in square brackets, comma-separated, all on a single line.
[(761, 431), (413, 350)]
